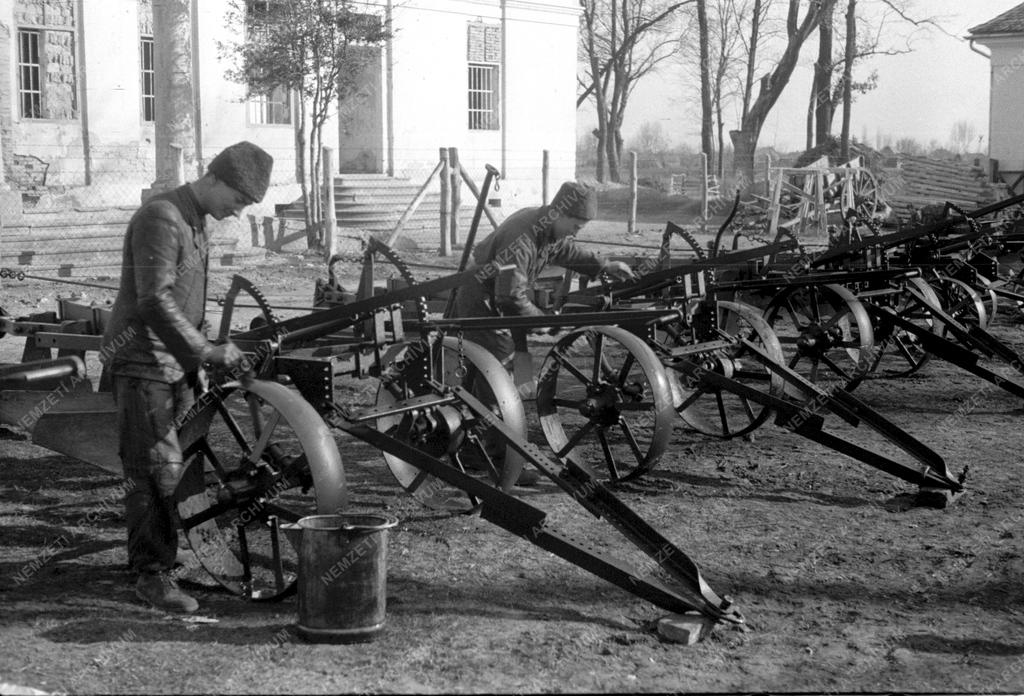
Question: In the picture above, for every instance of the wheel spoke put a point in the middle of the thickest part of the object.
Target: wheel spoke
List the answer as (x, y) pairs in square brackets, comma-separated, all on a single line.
[(573, 370), (240, 439), (627, 431), (627, 365), (721, 412), (609, 457), (835, 367), (268, 430), (576, 438), (690, 400), (598, 358)]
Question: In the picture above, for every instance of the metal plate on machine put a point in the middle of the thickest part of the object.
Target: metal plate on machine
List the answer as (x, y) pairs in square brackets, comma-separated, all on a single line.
[(80, 425)]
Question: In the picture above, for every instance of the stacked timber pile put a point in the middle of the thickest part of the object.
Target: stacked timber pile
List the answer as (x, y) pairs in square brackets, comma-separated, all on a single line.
[(918, 182)]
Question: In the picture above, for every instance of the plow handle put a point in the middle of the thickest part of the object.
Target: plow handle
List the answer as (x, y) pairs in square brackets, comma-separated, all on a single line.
[(485, 187)]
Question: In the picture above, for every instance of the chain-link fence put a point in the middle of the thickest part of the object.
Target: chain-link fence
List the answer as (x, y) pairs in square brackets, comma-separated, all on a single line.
[(65, 216)]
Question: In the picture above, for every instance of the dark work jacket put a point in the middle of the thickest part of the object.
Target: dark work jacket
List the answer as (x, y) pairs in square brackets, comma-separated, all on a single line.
[(154, 330), (523, 240)]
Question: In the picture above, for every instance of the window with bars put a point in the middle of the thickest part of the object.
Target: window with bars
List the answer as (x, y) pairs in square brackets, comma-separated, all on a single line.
[(30, 67), (483, 97), (148, 77)]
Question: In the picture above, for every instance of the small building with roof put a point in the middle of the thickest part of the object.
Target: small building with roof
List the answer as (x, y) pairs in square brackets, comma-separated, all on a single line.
[(1003, 36)]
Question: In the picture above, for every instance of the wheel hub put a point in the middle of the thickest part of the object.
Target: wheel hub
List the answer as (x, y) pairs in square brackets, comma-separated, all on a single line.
[(436, 431), (600, 405), (816, 339)]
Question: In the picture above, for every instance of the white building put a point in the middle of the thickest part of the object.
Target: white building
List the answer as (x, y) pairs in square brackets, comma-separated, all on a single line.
[(495, 78), (1003, 36)]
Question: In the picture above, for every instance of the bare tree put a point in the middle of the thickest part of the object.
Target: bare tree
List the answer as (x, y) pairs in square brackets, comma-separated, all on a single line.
[(704, 39), (861, 37), (623, 41), (962, 136), (651, 138), (744, 138), (726, 24)]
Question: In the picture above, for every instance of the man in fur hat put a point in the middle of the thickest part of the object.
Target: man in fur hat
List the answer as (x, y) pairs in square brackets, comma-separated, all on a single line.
[(153, 347), (530, 239)]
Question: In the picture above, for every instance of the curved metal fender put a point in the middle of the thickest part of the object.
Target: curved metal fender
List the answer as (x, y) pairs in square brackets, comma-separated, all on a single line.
[(864, 327), (513, 414), (317, 441)]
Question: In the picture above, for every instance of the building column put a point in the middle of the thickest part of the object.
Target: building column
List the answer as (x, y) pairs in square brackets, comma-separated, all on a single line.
[(175, 129)]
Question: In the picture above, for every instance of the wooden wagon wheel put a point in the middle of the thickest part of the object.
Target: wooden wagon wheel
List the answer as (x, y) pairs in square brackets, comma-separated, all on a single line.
[(861, 192), (606, 382), (447, 431), (262, 458)]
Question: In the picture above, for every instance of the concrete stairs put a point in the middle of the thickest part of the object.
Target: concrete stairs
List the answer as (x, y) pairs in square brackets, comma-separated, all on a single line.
[(376, 202), (71, 244)]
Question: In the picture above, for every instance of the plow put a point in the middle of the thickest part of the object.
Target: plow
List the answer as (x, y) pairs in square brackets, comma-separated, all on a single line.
[(722, 343)]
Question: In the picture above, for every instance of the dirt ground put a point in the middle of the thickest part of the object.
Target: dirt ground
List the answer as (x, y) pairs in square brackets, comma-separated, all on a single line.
[(844, 588)]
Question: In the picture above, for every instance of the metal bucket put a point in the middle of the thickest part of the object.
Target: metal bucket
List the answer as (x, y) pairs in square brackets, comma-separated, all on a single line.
[(343, 576)]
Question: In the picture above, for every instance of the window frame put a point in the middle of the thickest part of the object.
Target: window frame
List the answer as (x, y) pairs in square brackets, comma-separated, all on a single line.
[(480, 118), (275, 108), (265, 110), (147, 98), (34, 72)]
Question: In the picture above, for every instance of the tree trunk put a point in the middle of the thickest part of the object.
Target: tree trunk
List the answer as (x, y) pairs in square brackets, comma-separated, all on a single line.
[(823, 77), (748, 85), (745, 138), (812, 108), (707, 145), (851, 49), (744, 143), (600, 101)]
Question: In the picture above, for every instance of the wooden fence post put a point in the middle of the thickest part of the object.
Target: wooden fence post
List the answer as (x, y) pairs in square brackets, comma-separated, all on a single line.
[(631, 223), (767, 176), (456, 179), (471, 185), (446, 199), (329, 213), (545, 172), (411, 210)]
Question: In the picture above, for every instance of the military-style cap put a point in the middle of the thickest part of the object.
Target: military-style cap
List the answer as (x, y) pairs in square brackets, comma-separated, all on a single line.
[(576, 200), (244, 167)]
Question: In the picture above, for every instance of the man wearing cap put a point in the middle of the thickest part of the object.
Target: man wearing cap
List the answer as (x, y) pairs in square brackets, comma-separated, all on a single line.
[(153, 347), (529, 240)]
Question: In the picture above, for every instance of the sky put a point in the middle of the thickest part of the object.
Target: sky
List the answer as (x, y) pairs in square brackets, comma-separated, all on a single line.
[(920, 95)]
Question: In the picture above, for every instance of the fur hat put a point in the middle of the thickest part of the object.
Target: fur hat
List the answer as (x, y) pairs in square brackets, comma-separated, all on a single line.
[(575, 200), (244, 167)]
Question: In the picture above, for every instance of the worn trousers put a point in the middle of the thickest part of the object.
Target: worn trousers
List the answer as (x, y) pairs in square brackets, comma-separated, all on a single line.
[(148, 415)]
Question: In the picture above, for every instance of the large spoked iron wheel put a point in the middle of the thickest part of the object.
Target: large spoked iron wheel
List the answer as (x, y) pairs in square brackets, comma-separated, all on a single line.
[(899, 352), (450, 431), (262, 459), (720, 412), (605, 384), (962, 302), (825, 333)]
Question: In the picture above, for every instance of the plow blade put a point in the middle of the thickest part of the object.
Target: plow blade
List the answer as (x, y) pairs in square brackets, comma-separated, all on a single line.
[(81, 425)]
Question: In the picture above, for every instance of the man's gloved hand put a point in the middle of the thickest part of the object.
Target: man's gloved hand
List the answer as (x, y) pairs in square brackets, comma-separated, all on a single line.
[(618, 270), (226, 356)]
